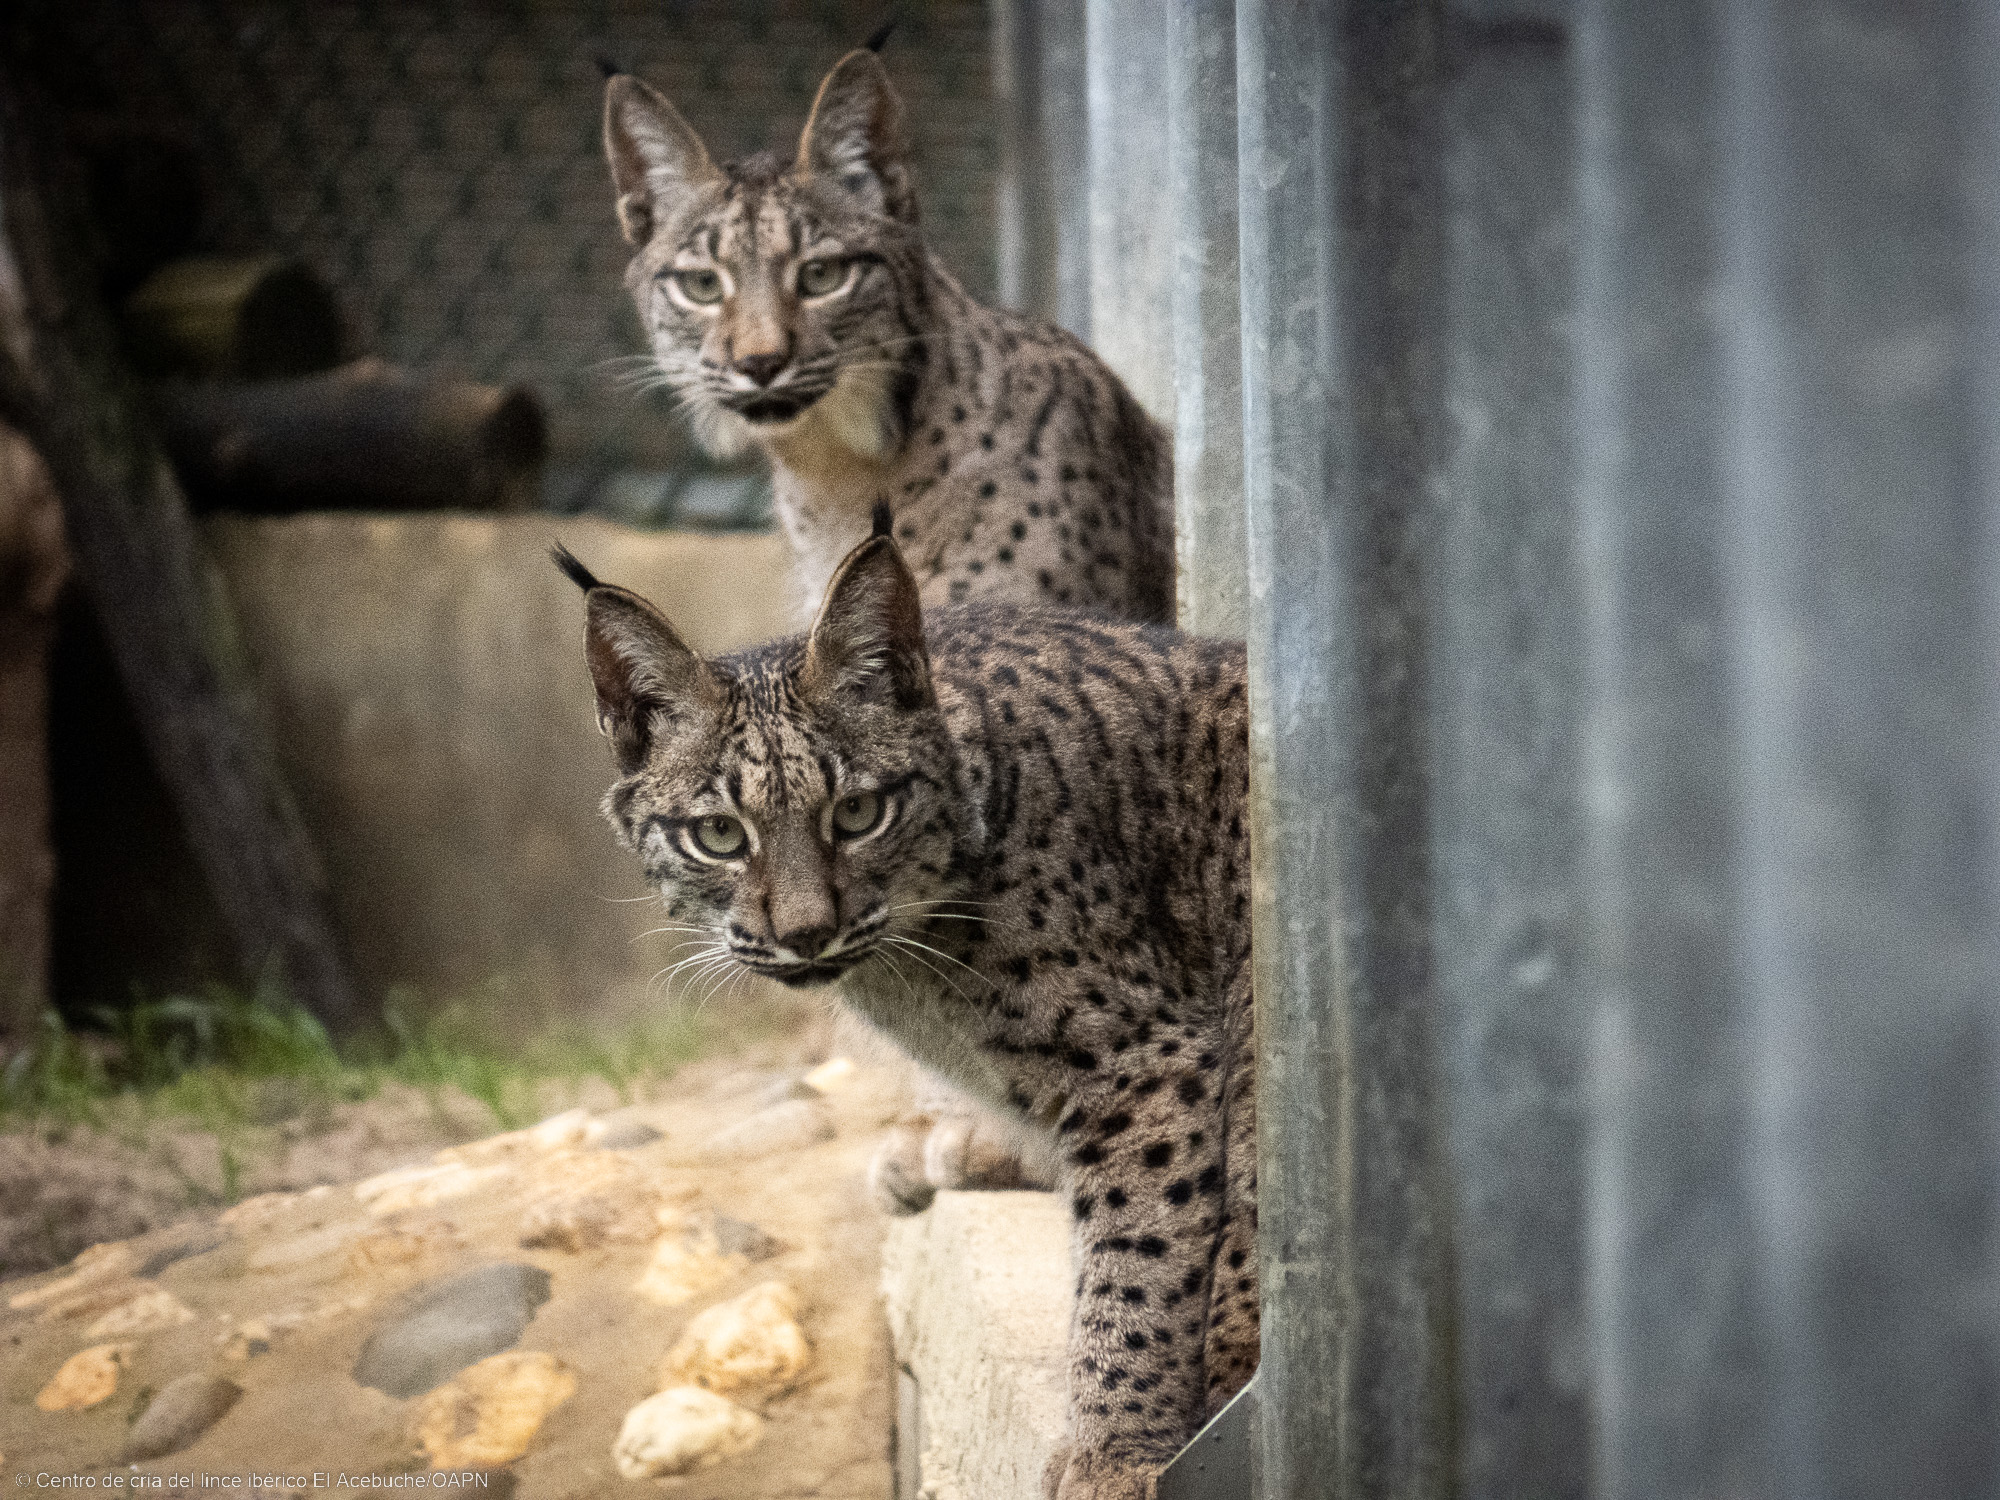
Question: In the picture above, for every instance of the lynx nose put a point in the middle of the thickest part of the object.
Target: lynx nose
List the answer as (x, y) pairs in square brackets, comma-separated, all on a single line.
[(805, 942), (762, 368)]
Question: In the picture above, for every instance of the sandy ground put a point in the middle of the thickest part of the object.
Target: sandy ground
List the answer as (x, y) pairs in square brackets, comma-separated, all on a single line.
[(311, 1264)]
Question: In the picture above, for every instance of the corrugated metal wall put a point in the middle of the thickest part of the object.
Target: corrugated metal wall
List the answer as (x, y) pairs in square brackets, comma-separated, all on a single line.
[(1619, 414)]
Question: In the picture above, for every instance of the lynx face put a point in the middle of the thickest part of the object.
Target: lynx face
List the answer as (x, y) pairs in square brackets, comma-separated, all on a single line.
[(796, 804), (775, 292)]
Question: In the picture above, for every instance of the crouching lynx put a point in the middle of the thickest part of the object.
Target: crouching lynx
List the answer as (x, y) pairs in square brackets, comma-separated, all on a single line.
[(1013, 838), (793, 306)]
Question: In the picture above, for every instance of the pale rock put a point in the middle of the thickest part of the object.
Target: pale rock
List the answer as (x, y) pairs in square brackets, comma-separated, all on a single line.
[(289, 1251), (580, 1202), (254, 1211), (681, 1430), (578, 1221), (386, 1249), (251, 1337), (572, 1130), (689, 1259), (148, 1312), (421, 1187), (182, 1412), (490, 1412), (583, 1172), (749, 1345), (788, 1126), (567, 1131), (94, 1298), (831, 1076), (86, 1378), (98, 1264)]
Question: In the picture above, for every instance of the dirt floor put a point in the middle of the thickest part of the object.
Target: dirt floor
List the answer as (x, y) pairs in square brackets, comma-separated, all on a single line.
[(685, 1241)]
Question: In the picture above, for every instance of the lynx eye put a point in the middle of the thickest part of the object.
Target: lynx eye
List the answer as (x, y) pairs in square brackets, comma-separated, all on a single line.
[(818, 277), (703, 287), (856, 813), (719, 834)]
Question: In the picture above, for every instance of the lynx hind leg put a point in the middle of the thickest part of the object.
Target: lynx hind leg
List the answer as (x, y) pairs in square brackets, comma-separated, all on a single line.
[(1229, 1344)]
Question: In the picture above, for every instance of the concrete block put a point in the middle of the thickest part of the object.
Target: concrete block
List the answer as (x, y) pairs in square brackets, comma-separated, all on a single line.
[(979, 1289), (424, 684)]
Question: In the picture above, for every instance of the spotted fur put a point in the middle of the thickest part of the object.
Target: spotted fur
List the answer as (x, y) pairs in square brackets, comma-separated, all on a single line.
[(1019, 467), (1049, 906)]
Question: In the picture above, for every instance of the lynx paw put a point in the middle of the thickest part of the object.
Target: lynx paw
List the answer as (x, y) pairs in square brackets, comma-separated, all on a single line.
[(1070, 1475), (896, 1178), (958, 1154)]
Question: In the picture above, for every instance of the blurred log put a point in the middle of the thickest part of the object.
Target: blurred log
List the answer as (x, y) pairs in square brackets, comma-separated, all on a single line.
[(233, 318), (33, 565), (64, 385), (367, 436)]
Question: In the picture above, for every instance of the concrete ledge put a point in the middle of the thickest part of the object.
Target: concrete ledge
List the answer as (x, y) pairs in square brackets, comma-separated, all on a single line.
[(978, 1289)]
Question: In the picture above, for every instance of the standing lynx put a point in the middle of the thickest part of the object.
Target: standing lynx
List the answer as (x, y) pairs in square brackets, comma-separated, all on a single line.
[(1013, 839), (792, 306)]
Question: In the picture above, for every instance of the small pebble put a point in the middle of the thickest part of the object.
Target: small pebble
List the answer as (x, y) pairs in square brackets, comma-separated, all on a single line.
[(831, 1076), (624, 1135), (789, 1126)]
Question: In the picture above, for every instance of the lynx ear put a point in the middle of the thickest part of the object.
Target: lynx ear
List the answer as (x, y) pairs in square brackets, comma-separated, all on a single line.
[(654, 154), (646, 677), (868, 638), (855, 138)]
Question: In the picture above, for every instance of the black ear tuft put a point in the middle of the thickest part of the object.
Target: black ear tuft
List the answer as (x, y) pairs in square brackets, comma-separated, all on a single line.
[(883, 522), (606, 64), (576, 572), (879, 37)]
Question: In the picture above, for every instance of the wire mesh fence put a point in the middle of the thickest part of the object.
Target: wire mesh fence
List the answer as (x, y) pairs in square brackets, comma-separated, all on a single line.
[(439, 164)]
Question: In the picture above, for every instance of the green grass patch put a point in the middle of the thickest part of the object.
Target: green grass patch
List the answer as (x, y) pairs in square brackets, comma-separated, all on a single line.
[(232, 1059)]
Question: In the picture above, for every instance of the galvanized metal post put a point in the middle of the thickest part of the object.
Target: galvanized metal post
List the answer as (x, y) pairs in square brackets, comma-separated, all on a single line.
[(1207, 324), (1787, 494), (1505, 638), (1340, 243), (1042, 181), (1131, 232)]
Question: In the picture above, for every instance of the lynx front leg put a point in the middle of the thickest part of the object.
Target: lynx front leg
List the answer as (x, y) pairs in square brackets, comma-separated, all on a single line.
[(896, 1178), (1145, 1176), (1229, 1350)]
